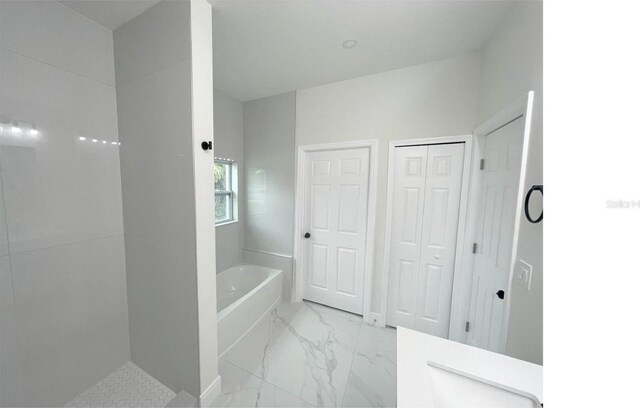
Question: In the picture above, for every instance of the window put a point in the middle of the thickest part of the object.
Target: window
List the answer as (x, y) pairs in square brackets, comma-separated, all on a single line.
[(225, 175)]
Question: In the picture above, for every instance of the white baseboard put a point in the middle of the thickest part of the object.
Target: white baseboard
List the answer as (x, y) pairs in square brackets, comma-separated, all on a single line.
[(211, 393), (182, 400)]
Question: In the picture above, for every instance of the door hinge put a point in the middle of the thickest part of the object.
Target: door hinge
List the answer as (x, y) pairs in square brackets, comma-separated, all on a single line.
[(467, 326), (475, 247), (481, 164)]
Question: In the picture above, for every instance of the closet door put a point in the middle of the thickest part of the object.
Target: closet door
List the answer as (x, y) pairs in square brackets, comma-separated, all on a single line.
[(427, 187), (409, 175)]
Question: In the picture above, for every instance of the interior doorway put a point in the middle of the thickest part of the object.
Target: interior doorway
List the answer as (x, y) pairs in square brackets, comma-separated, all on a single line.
[(334, 224)]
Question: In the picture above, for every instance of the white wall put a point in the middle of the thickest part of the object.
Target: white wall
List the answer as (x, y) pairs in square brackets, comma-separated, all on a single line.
[(201, 34), (154, 79), (511, 66), (228, 143), (63, 320), (428, 100)]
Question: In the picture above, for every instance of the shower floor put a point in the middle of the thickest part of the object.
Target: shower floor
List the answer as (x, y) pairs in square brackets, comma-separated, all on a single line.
[(128, 386)]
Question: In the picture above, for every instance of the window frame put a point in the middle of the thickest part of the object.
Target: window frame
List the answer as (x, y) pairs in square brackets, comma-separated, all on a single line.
[(231, 175)]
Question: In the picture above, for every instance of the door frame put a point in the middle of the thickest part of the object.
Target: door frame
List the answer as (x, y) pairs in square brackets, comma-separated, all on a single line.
[(298, 252), (462, 214), (461, 299)]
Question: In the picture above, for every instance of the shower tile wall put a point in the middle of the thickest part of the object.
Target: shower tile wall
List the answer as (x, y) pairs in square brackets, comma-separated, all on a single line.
[(64, 322), (228, 142), (269, 161), (153, 76)]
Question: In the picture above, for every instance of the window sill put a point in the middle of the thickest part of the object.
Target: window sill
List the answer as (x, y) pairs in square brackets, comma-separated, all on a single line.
[(221, 224)]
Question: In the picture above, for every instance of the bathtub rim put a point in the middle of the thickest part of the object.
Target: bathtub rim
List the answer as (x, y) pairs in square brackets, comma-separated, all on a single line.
[(272, 273)]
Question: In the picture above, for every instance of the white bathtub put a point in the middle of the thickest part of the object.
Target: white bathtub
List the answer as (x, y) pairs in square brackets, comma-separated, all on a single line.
[(245, 294)]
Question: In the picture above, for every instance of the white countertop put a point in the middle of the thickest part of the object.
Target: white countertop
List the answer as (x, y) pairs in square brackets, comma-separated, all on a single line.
[(421, 383)]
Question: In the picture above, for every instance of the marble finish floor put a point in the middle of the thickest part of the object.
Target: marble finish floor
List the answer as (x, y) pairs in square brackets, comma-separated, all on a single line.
[(305, 354)]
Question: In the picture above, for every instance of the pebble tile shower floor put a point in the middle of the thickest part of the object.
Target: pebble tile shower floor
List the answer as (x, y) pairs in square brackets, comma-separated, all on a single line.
[(128, 386)]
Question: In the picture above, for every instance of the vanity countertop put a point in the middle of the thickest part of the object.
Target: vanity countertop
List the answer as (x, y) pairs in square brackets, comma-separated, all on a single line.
[(433, 371)]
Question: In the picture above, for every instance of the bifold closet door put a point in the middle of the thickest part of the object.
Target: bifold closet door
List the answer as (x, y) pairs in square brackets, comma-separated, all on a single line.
[(426, 203)]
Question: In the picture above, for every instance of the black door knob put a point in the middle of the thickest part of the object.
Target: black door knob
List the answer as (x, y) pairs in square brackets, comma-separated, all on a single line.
[(307, 235), (500, 294), (206, 145)]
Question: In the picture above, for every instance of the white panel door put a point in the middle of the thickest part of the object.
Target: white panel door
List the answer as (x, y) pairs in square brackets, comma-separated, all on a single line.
[(427, 187), (335, 218), (409, 175), (502, 152)]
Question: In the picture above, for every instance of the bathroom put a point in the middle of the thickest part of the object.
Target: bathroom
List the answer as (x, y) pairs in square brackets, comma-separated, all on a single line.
[(241, 203)]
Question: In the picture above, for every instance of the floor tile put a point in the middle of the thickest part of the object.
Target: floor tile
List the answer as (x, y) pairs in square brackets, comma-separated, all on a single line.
[(242, 389), (304, 349), (372, 381)]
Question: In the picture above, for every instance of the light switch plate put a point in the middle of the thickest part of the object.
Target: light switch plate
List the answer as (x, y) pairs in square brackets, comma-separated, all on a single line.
[(523, 274)]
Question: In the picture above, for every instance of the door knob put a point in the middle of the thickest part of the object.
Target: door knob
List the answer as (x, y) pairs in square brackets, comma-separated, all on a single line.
[(500, 294), (307, 235)]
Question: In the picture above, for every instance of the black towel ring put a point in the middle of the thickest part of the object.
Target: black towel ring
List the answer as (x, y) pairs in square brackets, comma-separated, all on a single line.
[(533, 188)]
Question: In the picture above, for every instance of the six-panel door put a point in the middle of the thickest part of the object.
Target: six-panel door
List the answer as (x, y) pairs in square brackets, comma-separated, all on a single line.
[(502, 152), (335, 217)]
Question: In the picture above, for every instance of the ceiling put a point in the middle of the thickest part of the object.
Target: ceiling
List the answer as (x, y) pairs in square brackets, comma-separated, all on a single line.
[(264, 48), (268, 47), (110, 13)]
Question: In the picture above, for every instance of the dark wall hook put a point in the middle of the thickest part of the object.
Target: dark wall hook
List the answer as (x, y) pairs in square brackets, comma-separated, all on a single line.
[(537, 187)]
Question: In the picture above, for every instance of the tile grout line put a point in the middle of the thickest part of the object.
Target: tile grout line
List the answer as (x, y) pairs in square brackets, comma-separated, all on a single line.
[(68, 243), (264, 380), (68, 71), (353, 357)]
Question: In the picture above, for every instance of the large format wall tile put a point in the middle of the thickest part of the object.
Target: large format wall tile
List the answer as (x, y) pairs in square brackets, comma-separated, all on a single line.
[(57, 189), (154, 84), (161, 282), (48, 32), (152, 41), (11, 390), (4, 237), (269, 160), (283, 263), (228, 143), (154, 115), (64, 305), (71, 317)]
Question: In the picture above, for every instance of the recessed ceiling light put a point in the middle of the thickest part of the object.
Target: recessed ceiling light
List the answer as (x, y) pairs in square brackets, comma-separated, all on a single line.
[(348, 44)]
